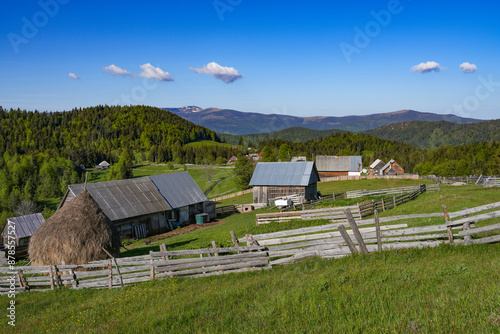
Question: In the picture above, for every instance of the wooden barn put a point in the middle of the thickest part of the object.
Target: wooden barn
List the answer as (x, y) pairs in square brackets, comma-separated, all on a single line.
[(272, 180), (376, 167), (148, 205), (392, 168), (333, 165), (23, 228)]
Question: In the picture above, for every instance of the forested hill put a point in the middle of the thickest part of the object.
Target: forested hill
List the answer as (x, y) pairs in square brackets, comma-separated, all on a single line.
[(296, 134), (460, 160), (81, 134), (435, 134)]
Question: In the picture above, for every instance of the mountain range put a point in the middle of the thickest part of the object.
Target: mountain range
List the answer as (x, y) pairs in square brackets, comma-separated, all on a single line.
[(239, 123)]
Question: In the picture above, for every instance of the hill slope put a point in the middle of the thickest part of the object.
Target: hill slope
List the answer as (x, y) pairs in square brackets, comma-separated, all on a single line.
[(435, 134), (295, 134), (237, 122)]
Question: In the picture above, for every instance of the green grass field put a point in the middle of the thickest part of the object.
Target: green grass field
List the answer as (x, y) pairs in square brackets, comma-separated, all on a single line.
[(449, 289)]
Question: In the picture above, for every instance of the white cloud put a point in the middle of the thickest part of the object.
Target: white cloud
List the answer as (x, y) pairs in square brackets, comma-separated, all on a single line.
[(115, 70), (73, 76), (226, 74), (151, 72), (468, 67), (427, 67)]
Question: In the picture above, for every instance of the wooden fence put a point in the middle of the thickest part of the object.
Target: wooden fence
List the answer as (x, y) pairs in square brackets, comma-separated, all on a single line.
[(387, 203), (226, 210), (369, 177), (492, 182), (262, 251), (116, 273), (239, 193), (389, 191), (333, 240), (335, 213)]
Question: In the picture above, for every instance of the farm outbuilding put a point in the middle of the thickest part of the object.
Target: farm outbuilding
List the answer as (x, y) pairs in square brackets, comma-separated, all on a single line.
[(333, 165), (272, 180), (103, 165), (75, 234), (376, 167), (21, 228), (392, 168), (148, 205)]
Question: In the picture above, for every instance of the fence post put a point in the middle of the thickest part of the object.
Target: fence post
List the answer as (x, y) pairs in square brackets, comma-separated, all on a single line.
[(447, 219), (394, 200), (234, 239), (151, 267), (356, 232), (347, 239), (163, 249), (383, 204), (214, 246), (73, 280), (110, 274), (377, 230), (467, 238), (51, 278), (57, 278)]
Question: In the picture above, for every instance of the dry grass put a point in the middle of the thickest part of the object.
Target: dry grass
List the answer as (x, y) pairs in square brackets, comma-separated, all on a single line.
[(75, 234)]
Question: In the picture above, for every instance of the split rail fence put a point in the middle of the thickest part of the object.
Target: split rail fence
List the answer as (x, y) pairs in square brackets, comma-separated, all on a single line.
[(333, 240), (360, 210), (389, 191), (335, 213), (116, 273), (492, 182), (264, 250)]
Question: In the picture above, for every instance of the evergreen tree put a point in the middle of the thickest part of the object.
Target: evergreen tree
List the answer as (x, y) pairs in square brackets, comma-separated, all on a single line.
[(243, 171)]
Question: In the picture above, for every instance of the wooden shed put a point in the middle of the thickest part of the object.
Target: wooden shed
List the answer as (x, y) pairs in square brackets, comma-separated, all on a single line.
[(21, 228), (392, 168), (272, 180), (148, 205), (376, 167), (333, 165)]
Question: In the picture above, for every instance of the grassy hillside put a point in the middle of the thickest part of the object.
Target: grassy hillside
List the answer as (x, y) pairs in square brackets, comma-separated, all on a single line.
[(435, 134), (449, 289)]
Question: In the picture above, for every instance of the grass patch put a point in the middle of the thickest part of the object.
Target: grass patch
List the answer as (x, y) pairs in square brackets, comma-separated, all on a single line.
[(448, 289)]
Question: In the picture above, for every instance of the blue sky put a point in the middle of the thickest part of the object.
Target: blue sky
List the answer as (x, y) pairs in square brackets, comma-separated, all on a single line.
[(299, 58)]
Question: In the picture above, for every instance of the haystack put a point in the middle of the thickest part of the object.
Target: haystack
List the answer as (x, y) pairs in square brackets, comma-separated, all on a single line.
[(75, 234)]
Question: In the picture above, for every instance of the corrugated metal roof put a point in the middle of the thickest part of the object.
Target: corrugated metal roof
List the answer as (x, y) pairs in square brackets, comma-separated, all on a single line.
[(178, 189), (125, 198), (333, 163), (284, 174), (27, 225), (388, 164), (375, 163)]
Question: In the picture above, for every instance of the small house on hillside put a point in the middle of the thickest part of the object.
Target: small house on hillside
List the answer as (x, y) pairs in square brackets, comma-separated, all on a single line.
[(103, 165), (299, 158), (148, 205), (333, 165), (254, 157), (272, 180), (232, 160), (392, 168), (23, 228), (376, 167)]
